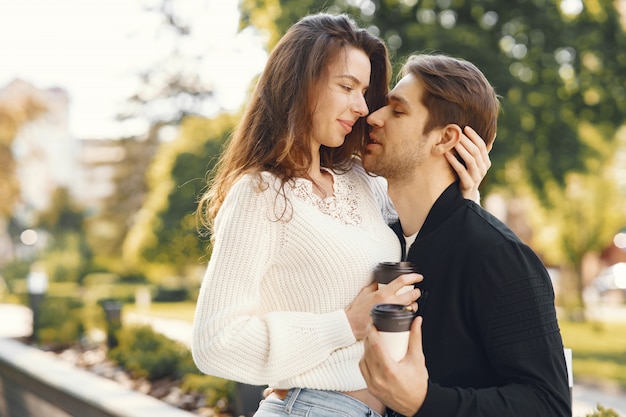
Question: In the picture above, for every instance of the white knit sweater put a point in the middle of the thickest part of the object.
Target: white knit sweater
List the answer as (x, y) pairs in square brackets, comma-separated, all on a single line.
[(271, 306)]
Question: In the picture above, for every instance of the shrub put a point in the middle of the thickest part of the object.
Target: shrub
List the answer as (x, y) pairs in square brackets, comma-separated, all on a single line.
[(600, 411), (60, 322), (215, 390), (148, 354), (13, 271), (166, 294)]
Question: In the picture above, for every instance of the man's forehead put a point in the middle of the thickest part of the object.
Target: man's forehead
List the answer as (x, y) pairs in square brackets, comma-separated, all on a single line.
[(406, 92)]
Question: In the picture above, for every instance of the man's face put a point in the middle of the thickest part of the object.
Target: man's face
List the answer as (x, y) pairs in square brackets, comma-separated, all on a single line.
[(397, 141)]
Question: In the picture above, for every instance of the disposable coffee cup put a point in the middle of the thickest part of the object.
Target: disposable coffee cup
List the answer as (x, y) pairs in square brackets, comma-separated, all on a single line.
[(386, 272), (393, 322)]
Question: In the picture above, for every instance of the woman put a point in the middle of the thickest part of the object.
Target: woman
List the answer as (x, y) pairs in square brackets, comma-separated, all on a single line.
[(299, 226)]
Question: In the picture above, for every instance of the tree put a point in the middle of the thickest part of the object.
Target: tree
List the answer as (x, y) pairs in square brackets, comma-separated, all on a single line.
[(556, 64), (586, 213), (173, 87), (107, 229), (559, 68), (17, 107), (67, 255), (164, 236), (192, 75)]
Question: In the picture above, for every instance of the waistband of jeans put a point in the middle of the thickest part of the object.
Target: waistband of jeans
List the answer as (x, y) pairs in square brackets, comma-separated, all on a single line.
[(344, 403)]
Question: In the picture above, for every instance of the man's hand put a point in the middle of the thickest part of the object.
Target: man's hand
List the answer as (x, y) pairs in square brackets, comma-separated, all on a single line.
[(472, 149), (401, 386)]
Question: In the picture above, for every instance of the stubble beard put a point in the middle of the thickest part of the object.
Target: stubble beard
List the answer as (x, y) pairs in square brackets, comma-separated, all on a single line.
[(395, 167)]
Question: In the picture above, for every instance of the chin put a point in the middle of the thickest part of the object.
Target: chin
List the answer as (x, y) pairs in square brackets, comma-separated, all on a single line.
[(366, 161)]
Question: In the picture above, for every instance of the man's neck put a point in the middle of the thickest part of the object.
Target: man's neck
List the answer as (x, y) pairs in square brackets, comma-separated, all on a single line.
[(414, 197)]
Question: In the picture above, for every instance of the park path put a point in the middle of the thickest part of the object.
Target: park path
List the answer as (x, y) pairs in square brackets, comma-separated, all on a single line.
[(15, 321)]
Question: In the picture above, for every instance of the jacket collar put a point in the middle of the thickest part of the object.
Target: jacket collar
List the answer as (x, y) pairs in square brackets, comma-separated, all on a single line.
[(447, 202)]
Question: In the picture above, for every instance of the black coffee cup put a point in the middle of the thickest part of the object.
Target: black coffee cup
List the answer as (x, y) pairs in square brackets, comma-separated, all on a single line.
[(393, 321), (386, 272), (392, 317)]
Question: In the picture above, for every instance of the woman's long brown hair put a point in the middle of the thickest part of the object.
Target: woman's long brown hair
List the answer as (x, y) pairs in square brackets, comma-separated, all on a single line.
[(274, 132)]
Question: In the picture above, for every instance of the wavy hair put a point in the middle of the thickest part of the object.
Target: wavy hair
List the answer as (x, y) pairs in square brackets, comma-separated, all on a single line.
[(274, 133)]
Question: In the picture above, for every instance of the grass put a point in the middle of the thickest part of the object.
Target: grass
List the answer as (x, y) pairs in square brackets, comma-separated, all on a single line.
[(598, 351), (179, 311)]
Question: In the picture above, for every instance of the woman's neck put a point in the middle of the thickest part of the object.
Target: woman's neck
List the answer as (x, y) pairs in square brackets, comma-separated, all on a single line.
[(322, 180)]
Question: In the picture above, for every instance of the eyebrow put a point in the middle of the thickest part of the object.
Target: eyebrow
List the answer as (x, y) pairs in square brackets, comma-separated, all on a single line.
[(351, 77), (397, 99)]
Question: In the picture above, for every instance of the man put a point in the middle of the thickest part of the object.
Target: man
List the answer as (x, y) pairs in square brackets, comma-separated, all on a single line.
[(487, 342)]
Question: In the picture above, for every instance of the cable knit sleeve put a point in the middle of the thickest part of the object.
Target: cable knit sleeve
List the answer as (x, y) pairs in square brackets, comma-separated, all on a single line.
[(239, 335)]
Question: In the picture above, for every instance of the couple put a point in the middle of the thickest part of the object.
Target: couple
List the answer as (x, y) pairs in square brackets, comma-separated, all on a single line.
[(299, 225)]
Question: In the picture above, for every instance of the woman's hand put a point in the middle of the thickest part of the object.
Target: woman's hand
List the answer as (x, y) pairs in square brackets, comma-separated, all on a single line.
[(472, 149), (358, 312)]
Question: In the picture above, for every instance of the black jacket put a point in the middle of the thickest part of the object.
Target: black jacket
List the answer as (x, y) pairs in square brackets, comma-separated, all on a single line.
[(490, 334)]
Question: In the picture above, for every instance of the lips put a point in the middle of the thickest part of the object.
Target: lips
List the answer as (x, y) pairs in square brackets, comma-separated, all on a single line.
[(373, 140), (347, 125)]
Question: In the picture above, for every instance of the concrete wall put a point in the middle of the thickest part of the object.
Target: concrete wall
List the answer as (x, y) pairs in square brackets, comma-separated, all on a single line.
[(36, 384)]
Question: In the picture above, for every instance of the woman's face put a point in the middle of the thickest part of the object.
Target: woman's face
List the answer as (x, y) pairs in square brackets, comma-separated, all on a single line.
[(339, 98)]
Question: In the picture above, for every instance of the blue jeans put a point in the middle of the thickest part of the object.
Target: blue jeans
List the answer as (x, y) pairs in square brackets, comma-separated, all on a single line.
[(302, 402)]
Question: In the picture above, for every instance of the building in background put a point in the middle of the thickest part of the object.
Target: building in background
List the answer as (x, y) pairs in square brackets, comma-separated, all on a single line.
[(104, 177), (43, 149)]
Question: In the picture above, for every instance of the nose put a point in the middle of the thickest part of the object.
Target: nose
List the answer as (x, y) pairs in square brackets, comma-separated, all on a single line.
[(375, 119), (359, 106)]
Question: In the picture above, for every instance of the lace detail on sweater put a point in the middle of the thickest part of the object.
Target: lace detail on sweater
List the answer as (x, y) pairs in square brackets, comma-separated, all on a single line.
[(343, 206)]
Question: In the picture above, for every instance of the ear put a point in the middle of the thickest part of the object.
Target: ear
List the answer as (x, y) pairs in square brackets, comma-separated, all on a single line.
[(450, 135)]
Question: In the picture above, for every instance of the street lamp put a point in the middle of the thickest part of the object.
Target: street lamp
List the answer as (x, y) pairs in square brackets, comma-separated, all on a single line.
[(37, 285), (113, 316)]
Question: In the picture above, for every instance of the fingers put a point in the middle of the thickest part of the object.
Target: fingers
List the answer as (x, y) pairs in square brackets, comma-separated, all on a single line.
[(370, 288), (474, 165), (477, 139), (406, 279), (415, 351), (460, 169), (403, 288), (476, 159), (375, 359), (477, 147), (367, 354)]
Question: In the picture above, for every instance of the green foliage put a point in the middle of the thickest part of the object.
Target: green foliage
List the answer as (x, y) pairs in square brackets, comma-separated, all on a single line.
[(67, 258), (133, 278), (13, 271), (560, 77), (176, 311), (263, 14), (597, 351), (60, 322), (17, 108), (166, 294), (107, 227), (553, 70), (165, 231), (600, 411), (214, 389), (147, 354), (583, 214), (62, 215)]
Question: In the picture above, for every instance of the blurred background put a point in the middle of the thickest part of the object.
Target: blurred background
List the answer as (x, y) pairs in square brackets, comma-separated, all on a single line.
[(112, 113)]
